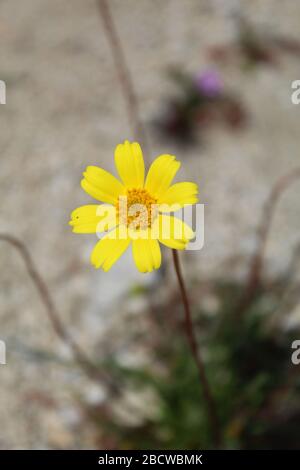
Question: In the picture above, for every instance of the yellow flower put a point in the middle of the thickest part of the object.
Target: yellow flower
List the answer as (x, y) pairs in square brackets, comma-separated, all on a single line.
[(134, 209)]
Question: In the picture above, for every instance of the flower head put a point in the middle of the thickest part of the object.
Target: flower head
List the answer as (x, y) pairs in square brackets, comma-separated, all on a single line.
[(134, 209), (209, 83)]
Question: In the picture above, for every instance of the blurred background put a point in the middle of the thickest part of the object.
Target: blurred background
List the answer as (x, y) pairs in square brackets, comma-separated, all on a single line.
[(213, 82)]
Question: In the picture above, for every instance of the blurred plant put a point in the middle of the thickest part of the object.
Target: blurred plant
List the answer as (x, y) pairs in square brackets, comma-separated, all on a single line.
[(202, 101), (256, 388), (254, 47)]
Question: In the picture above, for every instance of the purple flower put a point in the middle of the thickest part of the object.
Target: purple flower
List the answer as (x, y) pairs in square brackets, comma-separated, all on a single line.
[(209, 83)]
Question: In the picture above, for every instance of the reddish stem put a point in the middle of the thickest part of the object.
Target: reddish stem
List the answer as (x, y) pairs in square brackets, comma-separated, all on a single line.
[(208, 396)]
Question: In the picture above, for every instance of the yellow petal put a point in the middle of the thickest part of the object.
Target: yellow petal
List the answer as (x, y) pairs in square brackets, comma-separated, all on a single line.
[(102, 185), (161, 174), (146, 254), (93, 218), (178, 195), (173, 232), (130, 164), (108, 250)]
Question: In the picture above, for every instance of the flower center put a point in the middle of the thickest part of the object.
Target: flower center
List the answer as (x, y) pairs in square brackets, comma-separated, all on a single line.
[(137, 209)]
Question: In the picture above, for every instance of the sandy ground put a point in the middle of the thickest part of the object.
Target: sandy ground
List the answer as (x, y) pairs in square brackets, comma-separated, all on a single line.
[(64, 110)]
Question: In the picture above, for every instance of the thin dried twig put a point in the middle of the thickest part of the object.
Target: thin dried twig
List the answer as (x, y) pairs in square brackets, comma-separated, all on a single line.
[(254, 280), (124, 75), (54, 317)]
